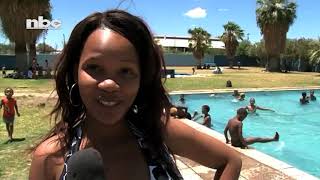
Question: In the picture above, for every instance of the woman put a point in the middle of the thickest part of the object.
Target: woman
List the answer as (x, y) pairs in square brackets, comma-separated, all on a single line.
[(111, 98)]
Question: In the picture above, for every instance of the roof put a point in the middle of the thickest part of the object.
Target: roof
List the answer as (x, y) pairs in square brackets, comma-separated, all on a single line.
[(183, 41)]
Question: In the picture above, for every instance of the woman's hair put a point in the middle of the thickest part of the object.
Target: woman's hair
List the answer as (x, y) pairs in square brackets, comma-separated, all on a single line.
[(151, 99)]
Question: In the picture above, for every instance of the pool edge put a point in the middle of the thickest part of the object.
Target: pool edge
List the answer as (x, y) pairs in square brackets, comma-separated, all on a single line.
[(263, 158), (207, 91)]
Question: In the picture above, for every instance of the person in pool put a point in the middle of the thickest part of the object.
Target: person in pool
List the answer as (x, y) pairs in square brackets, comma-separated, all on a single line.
[(312, 97), (111, 98), (236, 93), (241, 97), (252, 107), (207, 121), (304, 99), (234, 127)]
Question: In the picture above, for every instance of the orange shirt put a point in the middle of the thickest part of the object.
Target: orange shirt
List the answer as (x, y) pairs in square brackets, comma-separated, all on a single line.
[(8, 107)]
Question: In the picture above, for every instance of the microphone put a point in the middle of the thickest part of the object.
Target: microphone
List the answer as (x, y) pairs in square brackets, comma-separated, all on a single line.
[(86, 164)]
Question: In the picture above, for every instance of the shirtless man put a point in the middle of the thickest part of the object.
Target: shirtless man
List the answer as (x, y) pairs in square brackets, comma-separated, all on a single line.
[(252, 107), (234, 127), (206, 116)]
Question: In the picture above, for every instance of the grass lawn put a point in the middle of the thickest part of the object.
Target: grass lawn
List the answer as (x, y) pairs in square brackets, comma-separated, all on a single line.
[(243, 78), (33, 123)]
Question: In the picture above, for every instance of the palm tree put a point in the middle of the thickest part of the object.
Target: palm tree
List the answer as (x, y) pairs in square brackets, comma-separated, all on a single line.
[(274, 18), (199, 43), (314, 54), (13, 15), (231, 36)]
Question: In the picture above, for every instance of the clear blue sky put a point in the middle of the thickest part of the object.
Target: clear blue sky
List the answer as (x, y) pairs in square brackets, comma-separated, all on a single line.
[(175, 17)]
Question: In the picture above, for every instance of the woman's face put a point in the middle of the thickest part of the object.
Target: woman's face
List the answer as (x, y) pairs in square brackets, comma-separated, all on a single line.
[(108, 76)]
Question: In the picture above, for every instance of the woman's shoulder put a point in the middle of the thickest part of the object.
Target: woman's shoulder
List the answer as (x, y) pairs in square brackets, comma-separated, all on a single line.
[(50, 146), (47, 159), (51, 151)]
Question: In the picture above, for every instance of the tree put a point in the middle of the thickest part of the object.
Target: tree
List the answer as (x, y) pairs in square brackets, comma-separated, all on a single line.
[(6, 49), (13, 15), (274, 18), (243, 48), (314, 54), (199, 43), (231, 36), (259, 51), (45, 48)]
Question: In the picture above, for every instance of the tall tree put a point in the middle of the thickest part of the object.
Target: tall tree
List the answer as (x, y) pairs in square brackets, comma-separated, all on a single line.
[(13, 15), (259, 51), (231, 36), (45, 48), (274, 18), (314, 54), (243, 48), (199, 43)]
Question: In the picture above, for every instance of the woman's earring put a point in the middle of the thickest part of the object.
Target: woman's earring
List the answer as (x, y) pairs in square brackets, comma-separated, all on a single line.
[(135, 109), (70, 95)]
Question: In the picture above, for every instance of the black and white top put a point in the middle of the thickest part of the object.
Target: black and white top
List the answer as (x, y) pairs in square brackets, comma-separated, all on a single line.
[(161, 166)]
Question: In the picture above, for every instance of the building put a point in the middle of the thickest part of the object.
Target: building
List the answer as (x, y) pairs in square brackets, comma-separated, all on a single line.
[(181, 43)]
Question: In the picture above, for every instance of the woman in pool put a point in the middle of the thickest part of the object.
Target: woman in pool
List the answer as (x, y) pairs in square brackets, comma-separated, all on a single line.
[(111, 98), (251, 108)]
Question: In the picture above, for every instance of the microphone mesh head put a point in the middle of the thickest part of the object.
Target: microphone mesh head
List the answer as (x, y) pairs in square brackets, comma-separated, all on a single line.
[(86, 164)]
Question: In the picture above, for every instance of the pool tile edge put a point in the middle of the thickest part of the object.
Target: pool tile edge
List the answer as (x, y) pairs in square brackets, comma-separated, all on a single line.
[(206, 91)]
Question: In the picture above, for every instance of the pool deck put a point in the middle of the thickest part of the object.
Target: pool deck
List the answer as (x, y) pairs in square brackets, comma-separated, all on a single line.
[(255, 165)]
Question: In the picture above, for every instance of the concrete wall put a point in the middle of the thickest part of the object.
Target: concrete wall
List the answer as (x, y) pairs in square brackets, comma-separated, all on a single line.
[(220, 60), (170, 59)]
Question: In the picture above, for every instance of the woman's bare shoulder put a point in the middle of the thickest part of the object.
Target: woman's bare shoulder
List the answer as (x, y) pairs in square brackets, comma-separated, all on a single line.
[(47, 159), (49, 147)]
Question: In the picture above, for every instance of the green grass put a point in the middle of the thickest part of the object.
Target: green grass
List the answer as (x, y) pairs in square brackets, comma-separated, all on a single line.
[(247, 78), (33, 123), (241, 81)]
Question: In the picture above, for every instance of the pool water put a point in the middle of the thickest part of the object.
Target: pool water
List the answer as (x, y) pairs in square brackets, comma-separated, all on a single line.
[(298, 125)]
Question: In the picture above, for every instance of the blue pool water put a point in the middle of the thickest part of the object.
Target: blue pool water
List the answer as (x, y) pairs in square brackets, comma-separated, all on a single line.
[(298, 125)]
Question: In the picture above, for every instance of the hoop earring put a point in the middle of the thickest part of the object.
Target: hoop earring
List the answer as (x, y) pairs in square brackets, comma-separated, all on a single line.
[(70, 96), (135, 109)]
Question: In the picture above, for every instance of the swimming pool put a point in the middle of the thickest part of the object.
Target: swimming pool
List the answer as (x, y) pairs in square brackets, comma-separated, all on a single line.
[(298, 125)]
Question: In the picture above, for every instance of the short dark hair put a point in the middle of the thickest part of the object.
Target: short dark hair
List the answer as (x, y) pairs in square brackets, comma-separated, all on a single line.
[(206, 107), (303, 93), (242, 111), (8, 88)]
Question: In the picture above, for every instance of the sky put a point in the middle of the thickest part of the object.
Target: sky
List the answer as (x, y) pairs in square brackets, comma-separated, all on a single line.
[(175, 17)]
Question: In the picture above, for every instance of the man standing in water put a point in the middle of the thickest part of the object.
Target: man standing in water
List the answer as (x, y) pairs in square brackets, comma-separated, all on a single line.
[(206, 116), (234, 127)]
